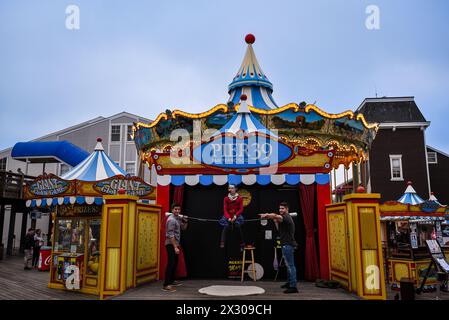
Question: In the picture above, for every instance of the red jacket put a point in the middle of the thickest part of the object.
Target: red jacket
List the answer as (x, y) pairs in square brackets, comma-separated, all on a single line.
[(232, 208)]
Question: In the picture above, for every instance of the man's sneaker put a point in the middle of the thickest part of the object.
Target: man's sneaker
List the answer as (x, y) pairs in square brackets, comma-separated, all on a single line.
[(176, 284), (26, 268), (285, 285), (169, 289), (291, 290)]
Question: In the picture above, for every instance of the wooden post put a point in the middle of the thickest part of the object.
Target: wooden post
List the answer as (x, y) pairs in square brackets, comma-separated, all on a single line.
[(23, 231), (11, 236), (2, 221)]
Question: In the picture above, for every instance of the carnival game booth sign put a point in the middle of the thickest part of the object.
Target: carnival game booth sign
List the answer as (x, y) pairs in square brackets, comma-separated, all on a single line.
[(82, 219)]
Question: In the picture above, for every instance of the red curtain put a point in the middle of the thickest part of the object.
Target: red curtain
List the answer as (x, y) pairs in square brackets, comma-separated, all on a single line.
[(307, 200), (323, 197), (163, 199), (178, 196)]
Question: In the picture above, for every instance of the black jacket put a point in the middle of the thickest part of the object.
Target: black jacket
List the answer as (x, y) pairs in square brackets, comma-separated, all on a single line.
[(29, 242)]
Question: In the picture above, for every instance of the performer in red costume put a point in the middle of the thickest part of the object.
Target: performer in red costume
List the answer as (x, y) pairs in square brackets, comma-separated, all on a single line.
[(233, 209)]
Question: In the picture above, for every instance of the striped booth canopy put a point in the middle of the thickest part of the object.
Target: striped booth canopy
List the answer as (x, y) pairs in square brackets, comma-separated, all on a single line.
[(98, 166), (410, 196)]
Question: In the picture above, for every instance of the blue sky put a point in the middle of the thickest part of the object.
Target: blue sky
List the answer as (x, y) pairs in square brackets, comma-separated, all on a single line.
[(146, 56)]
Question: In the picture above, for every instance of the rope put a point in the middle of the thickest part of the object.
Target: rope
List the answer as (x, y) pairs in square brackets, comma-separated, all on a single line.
[(217, 220)]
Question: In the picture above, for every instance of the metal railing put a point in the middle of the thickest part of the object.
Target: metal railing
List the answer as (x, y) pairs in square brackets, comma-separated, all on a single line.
[(12, 184)]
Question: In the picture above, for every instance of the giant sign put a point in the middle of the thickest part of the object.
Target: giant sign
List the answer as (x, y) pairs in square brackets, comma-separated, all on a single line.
[(133, 186), (48, 185)]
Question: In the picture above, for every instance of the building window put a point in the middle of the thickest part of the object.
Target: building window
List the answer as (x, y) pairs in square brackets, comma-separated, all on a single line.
[(115, 133), (130, 168), (129, 135), (3, 164), (64, 169), (396, 167), (432, 157)]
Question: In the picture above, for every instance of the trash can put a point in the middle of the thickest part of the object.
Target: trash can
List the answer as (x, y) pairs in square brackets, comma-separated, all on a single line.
[(407, 289), (44, 259)]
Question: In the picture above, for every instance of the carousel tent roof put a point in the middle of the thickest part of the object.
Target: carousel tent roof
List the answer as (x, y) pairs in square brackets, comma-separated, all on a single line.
[(410, 196), (252, 81), (244, 121), (98, 166)]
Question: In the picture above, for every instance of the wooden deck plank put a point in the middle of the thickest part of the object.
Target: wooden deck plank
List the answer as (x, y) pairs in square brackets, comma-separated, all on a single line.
[(18, 284)]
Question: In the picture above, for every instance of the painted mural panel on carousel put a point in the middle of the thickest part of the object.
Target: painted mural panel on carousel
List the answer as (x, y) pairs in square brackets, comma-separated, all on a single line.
[(306, 126)]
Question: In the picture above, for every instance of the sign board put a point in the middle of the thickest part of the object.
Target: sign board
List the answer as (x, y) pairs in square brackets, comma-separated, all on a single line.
[(75, 210), (429, 206), (234, 268), (49, 185), (133, 186), (242, 152)]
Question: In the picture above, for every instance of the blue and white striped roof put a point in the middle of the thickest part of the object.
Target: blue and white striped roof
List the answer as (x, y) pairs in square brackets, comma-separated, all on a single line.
[(252, 81), (245, 122), (98, 166), (410, 196)]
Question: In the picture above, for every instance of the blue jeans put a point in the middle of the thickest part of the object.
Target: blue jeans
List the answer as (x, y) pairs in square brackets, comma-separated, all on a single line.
[(289, 258)]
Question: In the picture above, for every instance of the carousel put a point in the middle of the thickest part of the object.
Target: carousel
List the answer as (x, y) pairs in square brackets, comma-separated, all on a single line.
[(271, 153), (406, 224), (97, 211)]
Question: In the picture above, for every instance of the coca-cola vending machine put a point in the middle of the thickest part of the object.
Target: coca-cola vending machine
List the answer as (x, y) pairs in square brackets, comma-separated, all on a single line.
[(44, 259)]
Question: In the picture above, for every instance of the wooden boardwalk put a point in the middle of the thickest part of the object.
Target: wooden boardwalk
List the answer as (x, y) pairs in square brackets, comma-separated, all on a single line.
[(18, 284), (189, 291)]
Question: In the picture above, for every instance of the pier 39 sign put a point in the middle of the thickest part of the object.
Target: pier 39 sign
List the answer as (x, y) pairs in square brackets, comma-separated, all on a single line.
[(242, 152)]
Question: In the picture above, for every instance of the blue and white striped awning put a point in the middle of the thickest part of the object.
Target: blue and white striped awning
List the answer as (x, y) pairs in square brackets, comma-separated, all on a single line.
[(48, 202), (250, 179), (410, 196), (98, 166)]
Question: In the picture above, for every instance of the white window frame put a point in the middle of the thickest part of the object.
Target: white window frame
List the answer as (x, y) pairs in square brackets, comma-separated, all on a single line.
[(396, 157), (436, 157), (127, 126), (60, 168), (120, 134), (135, 167)]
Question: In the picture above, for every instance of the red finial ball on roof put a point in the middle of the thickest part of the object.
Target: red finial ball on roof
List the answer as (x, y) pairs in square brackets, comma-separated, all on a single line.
[(361, 189), (243, 97), (409, 183), (121, 191), (99, 139), (250, 38)]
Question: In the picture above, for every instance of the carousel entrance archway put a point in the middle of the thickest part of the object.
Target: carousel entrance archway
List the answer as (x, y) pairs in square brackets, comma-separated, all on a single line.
[(203, 256)]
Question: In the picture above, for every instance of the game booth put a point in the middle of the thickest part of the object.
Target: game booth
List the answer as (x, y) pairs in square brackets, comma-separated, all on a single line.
[(105, 229), (272, 154), (407, 224)]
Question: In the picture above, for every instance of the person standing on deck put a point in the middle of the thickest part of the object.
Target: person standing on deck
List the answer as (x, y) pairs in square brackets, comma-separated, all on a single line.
[(175, 222), (28, 248), (286, 228), (38, 243)]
